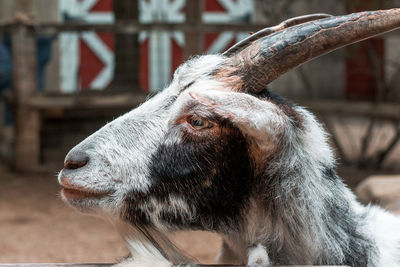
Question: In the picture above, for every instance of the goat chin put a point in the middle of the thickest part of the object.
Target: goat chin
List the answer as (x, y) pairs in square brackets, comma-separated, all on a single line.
[(150, 247)]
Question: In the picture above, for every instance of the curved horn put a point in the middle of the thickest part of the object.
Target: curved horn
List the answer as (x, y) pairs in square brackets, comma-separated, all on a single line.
[(251, 69), (267, 31)]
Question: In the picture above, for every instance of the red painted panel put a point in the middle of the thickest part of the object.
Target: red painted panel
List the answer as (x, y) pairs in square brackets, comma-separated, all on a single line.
[(361, 76), (89, 67), (360, 73), (177, 55), (102, 6), (108, 39), (213, 6), (209, 39), (230, 44), (144, 65)]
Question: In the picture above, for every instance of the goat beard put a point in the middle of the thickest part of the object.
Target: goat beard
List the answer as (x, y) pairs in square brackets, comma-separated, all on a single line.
[(149, 244)]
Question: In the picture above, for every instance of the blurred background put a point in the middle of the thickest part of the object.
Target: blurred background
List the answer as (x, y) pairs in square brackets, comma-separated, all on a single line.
[(67, 67)]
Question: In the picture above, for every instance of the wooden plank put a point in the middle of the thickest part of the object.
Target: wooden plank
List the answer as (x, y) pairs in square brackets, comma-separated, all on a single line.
[(130, 27), (27, 123), (109, 264), (194, 38), (126, 100), (25, 6), (57, 264), (390, 111), (127, 49), (86, 101)]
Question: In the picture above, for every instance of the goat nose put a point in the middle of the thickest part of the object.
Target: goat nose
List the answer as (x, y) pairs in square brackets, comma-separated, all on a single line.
[(75, 160)]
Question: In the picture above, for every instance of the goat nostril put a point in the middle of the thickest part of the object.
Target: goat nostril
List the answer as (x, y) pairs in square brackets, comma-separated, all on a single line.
[(75, 160), (72, 165)]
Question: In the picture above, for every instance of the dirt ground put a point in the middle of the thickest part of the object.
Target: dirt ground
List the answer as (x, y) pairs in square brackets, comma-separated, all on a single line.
[(35, 226)]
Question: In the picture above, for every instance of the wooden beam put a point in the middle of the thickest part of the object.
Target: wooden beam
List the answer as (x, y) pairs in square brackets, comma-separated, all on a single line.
[(194, 37), (127, 49), (109, 264), (27, 123), (24, 6), (390, 111), (123, 100), (131, 27), (57, 264)]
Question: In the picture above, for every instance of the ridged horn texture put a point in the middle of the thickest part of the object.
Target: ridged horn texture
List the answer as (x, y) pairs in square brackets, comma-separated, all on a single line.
[(267, 31), (265, 59)]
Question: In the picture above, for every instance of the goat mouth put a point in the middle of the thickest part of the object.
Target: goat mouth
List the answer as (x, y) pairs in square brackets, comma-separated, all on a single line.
[(71, 191), (80, 194)]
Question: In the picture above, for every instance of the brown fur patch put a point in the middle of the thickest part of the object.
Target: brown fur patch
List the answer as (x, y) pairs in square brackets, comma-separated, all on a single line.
[(259, 156), (226, 75), (238, 67)]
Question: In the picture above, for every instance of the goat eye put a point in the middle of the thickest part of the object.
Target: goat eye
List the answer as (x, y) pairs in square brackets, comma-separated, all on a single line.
[(199, 123)]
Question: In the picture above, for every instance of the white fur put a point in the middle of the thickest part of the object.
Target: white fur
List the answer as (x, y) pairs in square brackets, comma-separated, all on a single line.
[(385, 228), (150, 245), (174, 204), (258, 257)]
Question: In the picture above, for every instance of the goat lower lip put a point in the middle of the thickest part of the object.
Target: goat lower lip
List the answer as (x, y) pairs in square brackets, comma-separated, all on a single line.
[(78, 194)]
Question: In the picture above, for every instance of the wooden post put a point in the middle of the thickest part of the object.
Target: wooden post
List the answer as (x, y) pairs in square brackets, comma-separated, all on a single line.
[(127, 49), (194, 39), (27, 124), (24, 6)]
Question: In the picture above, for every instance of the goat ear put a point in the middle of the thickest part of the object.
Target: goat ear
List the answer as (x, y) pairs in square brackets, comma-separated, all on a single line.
[(260, 120)]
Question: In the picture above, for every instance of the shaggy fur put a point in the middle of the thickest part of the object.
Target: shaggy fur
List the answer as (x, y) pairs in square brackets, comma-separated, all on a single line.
[(256, 169)]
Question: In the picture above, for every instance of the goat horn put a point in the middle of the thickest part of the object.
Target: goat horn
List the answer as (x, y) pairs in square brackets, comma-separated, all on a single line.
[(261, 62), (267, 31)]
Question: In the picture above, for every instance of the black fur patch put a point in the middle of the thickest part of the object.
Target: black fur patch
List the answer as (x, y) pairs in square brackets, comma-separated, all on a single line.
[(212, 173), (329, 173), (344, 225), (357, 247), (274, 97), (285, 105)]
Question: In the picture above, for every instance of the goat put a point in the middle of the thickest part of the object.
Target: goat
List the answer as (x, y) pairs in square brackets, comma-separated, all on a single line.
[(218, 151)]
